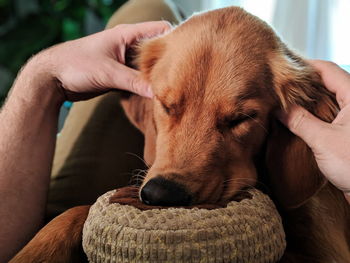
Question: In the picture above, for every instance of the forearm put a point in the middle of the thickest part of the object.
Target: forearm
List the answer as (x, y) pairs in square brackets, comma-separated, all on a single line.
[(28, 124), (86, 68)]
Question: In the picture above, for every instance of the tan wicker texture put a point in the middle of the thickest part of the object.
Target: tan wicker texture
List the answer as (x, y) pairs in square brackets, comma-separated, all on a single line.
[(245, 231)]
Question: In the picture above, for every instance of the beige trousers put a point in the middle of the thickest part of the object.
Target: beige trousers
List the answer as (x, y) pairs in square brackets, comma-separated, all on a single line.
[(97, 147)]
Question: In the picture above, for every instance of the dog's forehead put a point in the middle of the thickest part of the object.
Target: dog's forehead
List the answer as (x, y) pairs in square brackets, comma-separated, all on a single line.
[(218, 56), (207, 73)]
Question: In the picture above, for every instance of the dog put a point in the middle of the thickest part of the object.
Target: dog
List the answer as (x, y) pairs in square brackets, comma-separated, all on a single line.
[(210, 132)]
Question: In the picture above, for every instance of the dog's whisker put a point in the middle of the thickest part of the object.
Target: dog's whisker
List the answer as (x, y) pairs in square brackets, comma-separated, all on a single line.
[(138, 157), (228, 185), (239, 180), (245, 182), (138, 177), (140, 170), (230, 194), (140, 173)]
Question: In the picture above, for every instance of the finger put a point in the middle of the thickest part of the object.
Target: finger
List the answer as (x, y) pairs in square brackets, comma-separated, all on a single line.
[(129, 79), (336, 80), (141, 87), (135, 32), (343, 117), (303, 124)]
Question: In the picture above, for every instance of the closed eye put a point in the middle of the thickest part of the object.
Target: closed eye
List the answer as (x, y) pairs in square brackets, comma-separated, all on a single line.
[(166, 108), (231, 123)]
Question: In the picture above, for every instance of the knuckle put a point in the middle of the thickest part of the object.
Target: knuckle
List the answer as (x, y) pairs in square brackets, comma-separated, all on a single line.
[(331, 63), (323, 64), (166, 24), (122, 26), (327, 64)]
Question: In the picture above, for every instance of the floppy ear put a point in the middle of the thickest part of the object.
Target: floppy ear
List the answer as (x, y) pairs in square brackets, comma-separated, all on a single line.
[(150, 52), (291, 167), (138, 109)]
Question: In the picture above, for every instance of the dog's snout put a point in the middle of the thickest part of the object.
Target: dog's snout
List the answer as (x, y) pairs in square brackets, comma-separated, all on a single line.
[(163, 192)]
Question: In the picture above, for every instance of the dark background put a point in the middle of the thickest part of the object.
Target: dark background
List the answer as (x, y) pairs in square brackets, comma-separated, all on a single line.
[(28, 26)]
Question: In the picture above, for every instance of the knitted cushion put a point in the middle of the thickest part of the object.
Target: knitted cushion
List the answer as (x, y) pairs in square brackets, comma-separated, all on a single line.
[(246, 231)]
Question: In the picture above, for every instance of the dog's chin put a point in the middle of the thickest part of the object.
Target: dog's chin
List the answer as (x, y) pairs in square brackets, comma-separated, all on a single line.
[(221, 194), (235, 195), (208, 195), (224, 198)]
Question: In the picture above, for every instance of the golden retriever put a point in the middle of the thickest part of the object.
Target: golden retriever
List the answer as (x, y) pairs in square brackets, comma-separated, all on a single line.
[(210, 130)]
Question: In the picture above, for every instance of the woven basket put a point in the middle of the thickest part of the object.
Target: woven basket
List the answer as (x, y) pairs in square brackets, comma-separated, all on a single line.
[(247, 231)]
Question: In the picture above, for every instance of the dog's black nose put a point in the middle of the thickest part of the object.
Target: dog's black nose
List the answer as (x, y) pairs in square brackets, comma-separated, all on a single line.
[(159, 191)]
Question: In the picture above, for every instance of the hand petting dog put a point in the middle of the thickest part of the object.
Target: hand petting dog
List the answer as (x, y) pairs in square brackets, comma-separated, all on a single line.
[(330, 142), (94, 64), (75, 70)]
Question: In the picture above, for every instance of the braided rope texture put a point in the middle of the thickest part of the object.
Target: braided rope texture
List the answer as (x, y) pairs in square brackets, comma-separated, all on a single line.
[(247, 231)]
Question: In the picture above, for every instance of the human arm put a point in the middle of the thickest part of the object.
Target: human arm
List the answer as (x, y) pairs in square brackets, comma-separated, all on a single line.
[(330, 142), (73, 70), (28, 123)]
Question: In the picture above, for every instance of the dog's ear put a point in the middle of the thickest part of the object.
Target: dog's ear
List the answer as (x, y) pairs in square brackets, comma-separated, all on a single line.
[(150, 52), (291, 167), (138, 109)]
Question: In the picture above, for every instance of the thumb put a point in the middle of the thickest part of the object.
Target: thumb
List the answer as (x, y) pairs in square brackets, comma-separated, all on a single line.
[(141, 87), (129, 79), (303, 124)]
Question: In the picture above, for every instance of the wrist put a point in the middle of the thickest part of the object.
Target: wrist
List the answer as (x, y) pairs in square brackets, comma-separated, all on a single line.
[(36, 84)]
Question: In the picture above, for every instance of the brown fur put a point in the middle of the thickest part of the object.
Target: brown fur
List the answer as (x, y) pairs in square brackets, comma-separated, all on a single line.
[(218, 79), (207, 74), (59, 241), (213, 69)]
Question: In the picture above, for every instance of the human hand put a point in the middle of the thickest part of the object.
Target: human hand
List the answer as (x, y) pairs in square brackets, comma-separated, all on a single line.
[(94, 64), (330, 142)]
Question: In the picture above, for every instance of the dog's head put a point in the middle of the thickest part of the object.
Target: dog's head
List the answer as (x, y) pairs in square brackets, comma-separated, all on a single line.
[(217, 80)]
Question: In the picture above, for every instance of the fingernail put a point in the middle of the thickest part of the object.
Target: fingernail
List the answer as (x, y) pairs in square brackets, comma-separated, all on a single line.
[(169, 25)]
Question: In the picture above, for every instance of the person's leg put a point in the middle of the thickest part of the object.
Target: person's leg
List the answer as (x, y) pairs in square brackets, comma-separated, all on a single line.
[(92, 149), (136, 11)]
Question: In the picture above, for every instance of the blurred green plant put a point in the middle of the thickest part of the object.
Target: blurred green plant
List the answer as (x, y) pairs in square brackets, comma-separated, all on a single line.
[(28, 26)]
